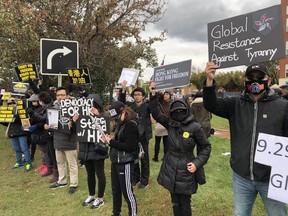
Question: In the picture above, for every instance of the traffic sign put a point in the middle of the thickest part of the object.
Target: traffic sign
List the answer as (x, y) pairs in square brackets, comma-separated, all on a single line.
[(58, 55)]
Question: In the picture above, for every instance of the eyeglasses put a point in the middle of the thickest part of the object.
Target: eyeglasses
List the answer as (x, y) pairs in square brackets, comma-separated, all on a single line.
[(260, 76), (58, 95), (137, 94)]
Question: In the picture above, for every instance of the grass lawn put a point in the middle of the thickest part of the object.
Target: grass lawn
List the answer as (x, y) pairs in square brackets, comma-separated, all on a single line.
[(29, 194)]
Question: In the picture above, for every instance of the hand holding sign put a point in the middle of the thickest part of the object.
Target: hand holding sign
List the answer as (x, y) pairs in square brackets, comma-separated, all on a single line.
[(210, 72)]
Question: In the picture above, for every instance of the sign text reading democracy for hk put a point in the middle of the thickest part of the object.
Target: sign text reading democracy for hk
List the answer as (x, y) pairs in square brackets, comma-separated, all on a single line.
[(245, 39)]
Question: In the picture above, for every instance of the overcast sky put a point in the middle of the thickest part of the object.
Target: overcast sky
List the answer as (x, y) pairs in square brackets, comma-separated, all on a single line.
[(186, 22)]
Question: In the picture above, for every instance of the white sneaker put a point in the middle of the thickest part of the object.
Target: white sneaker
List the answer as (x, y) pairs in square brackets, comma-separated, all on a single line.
[(97, 203), (88, 200)]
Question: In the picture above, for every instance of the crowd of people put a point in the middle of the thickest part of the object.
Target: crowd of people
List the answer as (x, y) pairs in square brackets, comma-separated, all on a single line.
[(184, 125)]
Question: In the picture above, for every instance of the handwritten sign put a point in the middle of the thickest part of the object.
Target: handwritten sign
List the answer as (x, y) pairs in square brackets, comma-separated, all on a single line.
[(79, 76), (273, 151), (173, 75), (26, 72), (250, 38)]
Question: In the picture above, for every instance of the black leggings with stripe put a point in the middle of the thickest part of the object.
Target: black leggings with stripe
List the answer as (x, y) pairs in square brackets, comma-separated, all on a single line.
[(121, 185)]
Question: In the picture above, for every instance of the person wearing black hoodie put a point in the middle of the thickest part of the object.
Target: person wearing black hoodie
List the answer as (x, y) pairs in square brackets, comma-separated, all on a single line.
[(94, 162)]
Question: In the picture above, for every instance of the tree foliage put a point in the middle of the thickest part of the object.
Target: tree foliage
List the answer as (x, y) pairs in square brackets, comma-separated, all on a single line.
[(197, 78), (108, 32)]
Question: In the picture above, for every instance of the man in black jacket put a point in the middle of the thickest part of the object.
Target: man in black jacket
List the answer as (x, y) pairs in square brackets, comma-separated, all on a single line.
[(258, 109), (145, 132)]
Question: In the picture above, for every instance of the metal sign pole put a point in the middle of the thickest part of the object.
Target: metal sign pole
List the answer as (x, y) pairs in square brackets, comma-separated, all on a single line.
[(59, 80)]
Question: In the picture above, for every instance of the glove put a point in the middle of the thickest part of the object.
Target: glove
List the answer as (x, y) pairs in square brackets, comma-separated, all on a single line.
[(32, 128), (30, 111)]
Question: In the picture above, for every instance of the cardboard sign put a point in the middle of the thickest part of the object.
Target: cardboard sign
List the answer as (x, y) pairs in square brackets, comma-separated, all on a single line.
[(273, 151), (26, 72), (173, 75), (79, 76), (250, 38), (130, 75)]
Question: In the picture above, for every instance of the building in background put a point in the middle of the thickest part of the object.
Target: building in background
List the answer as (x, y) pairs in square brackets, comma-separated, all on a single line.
[(283, 78)]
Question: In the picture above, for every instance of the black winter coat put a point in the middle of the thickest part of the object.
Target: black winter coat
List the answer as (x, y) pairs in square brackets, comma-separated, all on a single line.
[(125, 145), (247, 119), (15, 128), (182, 139)]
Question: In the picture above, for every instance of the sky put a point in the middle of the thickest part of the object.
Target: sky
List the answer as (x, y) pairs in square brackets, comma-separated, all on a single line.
[(186, 22)]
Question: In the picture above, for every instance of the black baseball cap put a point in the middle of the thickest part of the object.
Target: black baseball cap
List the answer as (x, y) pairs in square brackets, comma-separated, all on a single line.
[(257, 67)]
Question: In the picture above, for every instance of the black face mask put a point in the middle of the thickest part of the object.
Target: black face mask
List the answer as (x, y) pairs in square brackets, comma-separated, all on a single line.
[(256, 86), (84, 94), (178, 115)]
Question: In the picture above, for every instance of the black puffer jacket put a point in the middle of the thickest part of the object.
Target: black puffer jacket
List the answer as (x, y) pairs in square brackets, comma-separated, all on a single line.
[(125, 145), (182, 139), (247, 119)]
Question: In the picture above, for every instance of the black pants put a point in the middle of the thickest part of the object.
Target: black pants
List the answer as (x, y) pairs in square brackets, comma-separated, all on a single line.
[(157, 145), (143, 174), (121, 185), (92, 167), (51, 154), (181, 204)]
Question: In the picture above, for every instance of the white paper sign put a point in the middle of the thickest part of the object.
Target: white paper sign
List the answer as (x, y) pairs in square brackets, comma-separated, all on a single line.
[(278, 185), (130, 75), (273, 151), (53, 117)]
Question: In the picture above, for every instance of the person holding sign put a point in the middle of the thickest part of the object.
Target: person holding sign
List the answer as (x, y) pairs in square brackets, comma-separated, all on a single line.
[(145, 129), (65, 145), (123, 153), (257, 109), (180, 168), (93, 161)]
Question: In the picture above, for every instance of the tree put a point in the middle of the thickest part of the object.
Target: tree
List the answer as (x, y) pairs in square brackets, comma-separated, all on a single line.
[(197, 78), (108, 32)]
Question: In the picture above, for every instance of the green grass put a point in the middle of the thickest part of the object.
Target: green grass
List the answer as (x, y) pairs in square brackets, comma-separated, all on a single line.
[(29, 194)]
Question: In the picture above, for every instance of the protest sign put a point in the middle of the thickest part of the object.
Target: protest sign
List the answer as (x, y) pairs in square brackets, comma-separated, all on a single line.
[(79, 76), (21, 106), (26, 72), (53, 118), (245, 39), (19, 88), (273, 151), (172, 75), (89, 128), (278, 185), (130, 75), (7, 113)]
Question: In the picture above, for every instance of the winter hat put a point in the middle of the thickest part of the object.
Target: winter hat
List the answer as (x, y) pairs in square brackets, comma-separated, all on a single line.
[(257, 67), (139, 89), (116, 109), (33, 97), (178, 105)]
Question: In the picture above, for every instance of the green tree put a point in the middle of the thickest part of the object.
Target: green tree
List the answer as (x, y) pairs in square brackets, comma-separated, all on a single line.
[(197, 78), (108, 32)]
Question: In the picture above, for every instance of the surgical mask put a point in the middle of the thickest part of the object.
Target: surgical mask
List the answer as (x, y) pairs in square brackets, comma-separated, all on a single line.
[(178, 115), (256, 86)]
